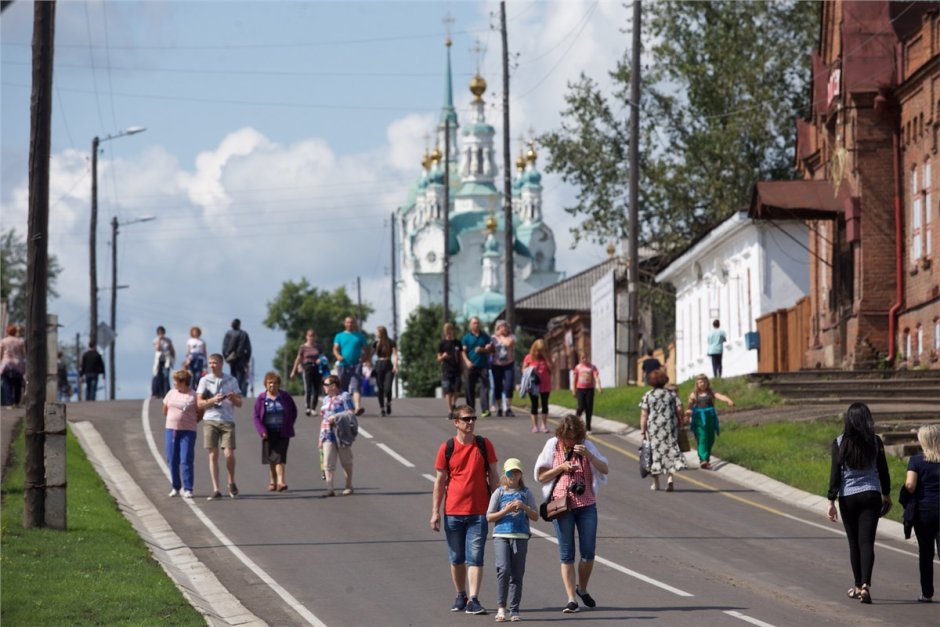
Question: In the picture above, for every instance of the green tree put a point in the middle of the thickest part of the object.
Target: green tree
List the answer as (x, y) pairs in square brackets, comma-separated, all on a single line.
[(723, 85), (298, 307), (13, 275), (419, 369)]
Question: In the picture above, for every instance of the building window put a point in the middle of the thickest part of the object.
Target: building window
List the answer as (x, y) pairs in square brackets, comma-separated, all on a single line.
[(928, 209), (936, 334), (921, 213), (920, 340), (917, 213), (907, 344)]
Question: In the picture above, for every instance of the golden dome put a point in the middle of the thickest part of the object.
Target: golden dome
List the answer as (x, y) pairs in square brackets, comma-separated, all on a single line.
[(491, 223), (531, 155), (520, 162), (611, 249), (436, 155), (477, 87), (426, 160)]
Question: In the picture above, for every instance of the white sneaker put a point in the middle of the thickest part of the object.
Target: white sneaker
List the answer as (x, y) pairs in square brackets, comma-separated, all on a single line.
[(187, 494), (174, 492)]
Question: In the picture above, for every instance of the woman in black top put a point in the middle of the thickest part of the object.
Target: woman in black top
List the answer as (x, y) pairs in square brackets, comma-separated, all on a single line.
[(859, 478), (386, 367), (923, 482)]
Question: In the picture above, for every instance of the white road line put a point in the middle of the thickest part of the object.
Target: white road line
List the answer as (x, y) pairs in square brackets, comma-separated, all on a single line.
[(404, 462), (291, 601), (365, 433), (747, 619), (430, 478)]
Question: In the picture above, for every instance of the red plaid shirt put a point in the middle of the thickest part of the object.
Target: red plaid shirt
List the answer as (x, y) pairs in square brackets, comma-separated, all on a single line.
[(585, 474)]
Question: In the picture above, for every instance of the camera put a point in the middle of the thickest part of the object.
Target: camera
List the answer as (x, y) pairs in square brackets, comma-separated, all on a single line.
[(576, 488)]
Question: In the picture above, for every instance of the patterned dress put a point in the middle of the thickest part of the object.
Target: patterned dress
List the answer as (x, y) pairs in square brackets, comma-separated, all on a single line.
[(662, 407)]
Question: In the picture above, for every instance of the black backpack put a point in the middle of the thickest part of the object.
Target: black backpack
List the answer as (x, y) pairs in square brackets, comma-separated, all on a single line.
[(481, 445)]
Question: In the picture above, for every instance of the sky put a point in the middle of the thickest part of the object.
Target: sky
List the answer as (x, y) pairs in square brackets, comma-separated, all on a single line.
[(281, 137)]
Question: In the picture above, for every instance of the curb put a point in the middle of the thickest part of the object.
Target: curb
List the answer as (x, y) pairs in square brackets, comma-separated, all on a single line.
[(887, 529), (198, 584)]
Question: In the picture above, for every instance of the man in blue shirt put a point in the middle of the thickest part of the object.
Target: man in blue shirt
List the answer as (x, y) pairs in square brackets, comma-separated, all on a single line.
[(347, 348), (476, 348), (716, 347)]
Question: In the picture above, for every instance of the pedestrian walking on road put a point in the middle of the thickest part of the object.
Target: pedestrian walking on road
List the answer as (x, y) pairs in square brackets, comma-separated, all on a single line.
[(511, 508), (449, 354), (581, 471), (649, 365), (660, 420), (274, 415), (12, 366), (585, 382), (716, 347), (218, 395), (90, 368), (465, 476), (503, 367), (236, 347), (476, 350), (386, 367), (923, 485), (347, 348), (859, 478), (538, 360), (309, 357), (705, 417), (180, 409), (195, 355), (163, 357), (338, 406)]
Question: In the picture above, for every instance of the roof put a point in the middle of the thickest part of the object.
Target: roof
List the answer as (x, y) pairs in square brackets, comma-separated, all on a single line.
[(570, 295), (789, 200)]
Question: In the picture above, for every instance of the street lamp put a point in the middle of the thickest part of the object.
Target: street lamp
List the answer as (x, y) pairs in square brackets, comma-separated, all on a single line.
[(93, 230), (114, 288)]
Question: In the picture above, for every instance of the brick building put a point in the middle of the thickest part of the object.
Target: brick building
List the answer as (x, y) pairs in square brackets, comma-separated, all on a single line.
[(870, 138)]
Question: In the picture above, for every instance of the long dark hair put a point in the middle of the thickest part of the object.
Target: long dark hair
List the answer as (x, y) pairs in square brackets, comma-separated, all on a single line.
[(857, 450)]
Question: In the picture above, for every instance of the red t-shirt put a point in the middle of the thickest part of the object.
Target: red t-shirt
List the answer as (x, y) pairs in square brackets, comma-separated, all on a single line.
[(468, 492), (542, 369), (584, 376)]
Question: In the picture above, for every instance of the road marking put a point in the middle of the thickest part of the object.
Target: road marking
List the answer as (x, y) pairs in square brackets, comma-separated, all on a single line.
[(365, 433), (746, 501), (747, 619), (430, 478), (291, 601), (404, 462)]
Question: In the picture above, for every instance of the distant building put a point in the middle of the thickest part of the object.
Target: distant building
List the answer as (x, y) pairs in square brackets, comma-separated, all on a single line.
[(475, 245)]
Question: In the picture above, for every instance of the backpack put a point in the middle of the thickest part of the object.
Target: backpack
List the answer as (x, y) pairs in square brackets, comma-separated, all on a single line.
[(481, 446)]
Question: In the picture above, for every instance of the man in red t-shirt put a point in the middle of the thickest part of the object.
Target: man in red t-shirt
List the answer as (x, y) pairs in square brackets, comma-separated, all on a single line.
[(463, 485)]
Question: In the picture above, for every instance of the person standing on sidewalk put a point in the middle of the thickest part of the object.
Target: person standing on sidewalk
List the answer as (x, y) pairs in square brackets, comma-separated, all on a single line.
[(236, 347), (219, 395), (90, 368), (538, 360), (476, 347), (465, 477), (705, 417), (179, 407), (586, 380), (716, 347), (347, 348), (12, 366), (858, 477)]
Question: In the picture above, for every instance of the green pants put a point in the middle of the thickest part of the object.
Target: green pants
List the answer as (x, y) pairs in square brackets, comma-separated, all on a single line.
[(705, 427)]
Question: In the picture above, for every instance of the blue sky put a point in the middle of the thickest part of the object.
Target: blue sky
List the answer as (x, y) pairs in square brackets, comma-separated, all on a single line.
[(280, 138)]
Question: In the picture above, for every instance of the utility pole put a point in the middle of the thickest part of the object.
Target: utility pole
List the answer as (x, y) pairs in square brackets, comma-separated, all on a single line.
[(114, 288), (509, 287), (359, 302), (633, 263), (37, 266), (78, 364), (93, 247), (394, 285), (446, 252)]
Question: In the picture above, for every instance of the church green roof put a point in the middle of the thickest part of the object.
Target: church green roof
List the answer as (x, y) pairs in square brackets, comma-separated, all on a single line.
[(474, 188), (486, 306)]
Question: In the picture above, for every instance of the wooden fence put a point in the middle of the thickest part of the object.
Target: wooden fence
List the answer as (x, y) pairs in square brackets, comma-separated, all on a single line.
[(784, 338)]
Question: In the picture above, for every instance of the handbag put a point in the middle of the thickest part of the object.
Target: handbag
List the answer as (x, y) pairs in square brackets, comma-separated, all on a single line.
[(646, 458), (683, 437), (232, 357), (552, 509)]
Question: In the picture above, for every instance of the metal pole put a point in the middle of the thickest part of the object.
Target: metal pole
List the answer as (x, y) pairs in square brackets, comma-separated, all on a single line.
[(633, 268), (78, 362), (92, 247), (394, 284), (509, 287), (446, 255), (359, 301), (114, 288)]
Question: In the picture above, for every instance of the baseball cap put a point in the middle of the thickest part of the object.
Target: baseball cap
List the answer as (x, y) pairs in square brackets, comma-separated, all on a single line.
[(512, 464)]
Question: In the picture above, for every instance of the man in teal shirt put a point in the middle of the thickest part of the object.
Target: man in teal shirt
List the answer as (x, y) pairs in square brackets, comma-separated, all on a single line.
[(476, 349), (716, 347), (347, 348)]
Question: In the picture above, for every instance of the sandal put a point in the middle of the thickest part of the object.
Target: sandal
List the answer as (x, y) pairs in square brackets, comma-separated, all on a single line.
[(272, 487), (500, 615), (853, 593), (669, 486), (864, 595), (282, 487)]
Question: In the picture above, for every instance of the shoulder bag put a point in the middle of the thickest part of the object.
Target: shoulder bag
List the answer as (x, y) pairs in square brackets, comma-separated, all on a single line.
[(551, 508)]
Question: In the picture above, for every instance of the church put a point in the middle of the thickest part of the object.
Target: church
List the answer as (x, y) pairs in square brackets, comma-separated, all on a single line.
[(476, 238)]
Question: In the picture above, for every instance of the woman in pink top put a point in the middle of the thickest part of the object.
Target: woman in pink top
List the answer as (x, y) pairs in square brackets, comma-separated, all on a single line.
[(12, 366), (179, 407), (585, 379), (537, 359)]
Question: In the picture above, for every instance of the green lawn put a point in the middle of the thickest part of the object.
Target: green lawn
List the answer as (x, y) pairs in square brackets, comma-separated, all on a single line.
[(99, 572)]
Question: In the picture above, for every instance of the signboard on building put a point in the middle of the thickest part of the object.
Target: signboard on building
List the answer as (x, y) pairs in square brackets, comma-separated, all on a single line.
[(604, 329)]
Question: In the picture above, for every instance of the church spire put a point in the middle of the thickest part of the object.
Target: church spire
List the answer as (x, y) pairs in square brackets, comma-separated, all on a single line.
[(448, 113)]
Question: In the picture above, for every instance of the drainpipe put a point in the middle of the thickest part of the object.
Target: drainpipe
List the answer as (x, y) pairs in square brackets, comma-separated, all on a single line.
[(898, 241)]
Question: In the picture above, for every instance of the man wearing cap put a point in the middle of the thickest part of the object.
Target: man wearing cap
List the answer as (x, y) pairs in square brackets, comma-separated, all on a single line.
[(465, 476)]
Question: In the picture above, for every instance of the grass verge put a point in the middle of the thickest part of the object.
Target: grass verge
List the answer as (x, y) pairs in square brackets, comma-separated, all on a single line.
[(98, 572)]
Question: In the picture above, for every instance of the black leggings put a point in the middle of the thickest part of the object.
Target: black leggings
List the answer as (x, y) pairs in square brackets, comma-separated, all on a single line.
[(926, 528), (585, 398), (313, 381), (860, 519), (383, 382), (534, 400)]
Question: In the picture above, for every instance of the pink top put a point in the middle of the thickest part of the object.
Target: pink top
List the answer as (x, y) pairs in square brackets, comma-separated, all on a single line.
[(584, 376), (542, 369), (583, 474), (181, 410), (13, 353)]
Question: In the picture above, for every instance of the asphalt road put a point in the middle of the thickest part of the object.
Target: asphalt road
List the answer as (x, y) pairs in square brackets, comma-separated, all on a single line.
[(710, 553)]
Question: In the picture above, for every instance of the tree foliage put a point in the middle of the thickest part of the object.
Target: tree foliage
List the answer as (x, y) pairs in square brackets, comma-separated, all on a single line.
[(13, 287), (419, 369), (723, 85), (298, 307)]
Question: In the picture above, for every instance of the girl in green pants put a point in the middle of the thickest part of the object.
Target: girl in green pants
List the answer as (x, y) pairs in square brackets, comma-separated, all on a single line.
[(705, 418)]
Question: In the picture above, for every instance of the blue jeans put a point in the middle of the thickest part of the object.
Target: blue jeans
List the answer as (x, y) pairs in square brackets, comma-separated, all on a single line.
[(349, 379), (510, 570), (91, 386), (585, 519), (502, 383), (466, 538), (180, 451), (197, 363)]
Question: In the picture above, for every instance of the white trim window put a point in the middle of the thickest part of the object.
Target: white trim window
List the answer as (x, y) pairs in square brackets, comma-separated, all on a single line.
[(920, 340), (907, 345), (917, 216), (928, 209), (936, 335)]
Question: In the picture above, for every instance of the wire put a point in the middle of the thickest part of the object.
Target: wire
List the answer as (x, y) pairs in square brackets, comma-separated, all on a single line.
[(94, 76), (550, 49)]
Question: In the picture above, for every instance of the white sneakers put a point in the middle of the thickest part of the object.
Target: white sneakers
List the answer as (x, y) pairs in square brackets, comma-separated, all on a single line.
[(174, 492)]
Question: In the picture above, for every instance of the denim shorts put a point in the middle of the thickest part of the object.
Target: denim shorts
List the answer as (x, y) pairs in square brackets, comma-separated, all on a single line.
[(585, 519), (466, 538)]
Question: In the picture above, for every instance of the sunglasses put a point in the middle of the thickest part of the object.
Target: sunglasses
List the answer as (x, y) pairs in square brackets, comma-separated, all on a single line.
[(467, 418)]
